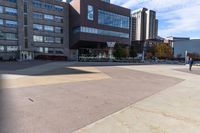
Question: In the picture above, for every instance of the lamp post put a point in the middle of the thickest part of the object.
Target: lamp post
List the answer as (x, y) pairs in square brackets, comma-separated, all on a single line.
[(111, 45)]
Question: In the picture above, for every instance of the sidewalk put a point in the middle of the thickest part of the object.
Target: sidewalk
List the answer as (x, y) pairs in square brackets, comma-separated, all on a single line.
[(174, 110)]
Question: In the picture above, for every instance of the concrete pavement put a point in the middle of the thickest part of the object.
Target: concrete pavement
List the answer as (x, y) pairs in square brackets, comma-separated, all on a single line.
[(29, 106), (173, 110)]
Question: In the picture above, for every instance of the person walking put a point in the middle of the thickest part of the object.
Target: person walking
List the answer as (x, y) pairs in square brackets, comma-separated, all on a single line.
[(190, 64)]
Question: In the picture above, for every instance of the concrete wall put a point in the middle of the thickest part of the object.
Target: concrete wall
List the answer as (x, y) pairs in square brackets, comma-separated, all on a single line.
[(192, 46)]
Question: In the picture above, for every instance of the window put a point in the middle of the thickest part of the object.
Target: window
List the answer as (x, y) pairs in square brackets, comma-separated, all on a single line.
[(39, 49), (11, 36), (10, 23), (1, 9), (48, 28), (49, 39), (12, 48), (59, 51), (25, 7), (2, 48), (11, 11), (59, 40), (14, 1), (90, 15), (113, 19), (37, 27), (58, 19), (37, 38), (48, 6), (100, 32), (58, 30), (37, 15), (37, 4), (58, 8), (48, 17), (1, 21)]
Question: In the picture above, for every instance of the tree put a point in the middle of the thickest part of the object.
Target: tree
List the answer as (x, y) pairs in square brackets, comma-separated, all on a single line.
[(161, 50), (119, 51), (132, 52)]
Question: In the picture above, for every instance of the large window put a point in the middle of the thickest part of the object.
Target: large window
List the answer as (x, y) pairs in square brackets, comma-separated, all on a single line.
[(11, 36), (100, 32), (12, 48), (49, 39), (37, 38), (37, 15), (58, 19), (113, 19), (48, 17), (2, 48), (58, 30), (11, 11), (10, 23), (58, 40), (49, 28), (37, 4), (58, 8), (90, 14), (37, 27)]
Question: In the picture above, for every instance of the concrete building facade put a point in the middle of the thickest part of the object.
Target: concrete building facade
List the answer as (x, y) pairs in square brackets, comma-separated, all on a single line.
[(31, 28)]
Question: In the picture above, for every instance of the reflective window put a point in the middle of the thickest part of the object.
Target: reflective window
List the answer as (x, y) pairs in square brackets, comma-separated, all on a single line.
[(58, 8), (11, 11), (37, 4), (10, 23), (112, 19), (90, 15), (1, 21), (37, 27), (59, 51), (100, 32), (39, 49), (58, 19), (48, 17), (49, 39), (37, 38), (12, 48), (2, 48), (10, 36), (1, 9), (58, 40), (58, 30), (37, 15), (48, 6), (14, 1), (48, 28)]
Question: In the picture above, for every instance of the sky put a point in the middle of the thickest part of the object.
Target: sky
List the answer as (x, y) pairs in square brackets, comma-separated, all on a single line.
[(180, 18)]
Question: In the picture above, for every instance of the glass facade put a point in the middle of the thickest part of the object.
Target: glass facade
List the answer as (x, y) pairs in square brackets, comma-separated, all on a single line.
[(100, 32), (113, 19)]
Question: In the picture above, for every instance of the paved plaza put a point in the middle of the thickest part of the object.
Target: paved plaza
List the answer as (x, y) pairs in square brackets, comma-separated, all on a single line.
[(66, 97)]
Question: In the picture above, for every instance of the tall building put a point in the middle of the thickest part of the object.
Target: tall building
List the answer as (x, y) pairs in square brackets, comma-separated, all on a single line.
[(54, 29), (144, 27), (33, 28)]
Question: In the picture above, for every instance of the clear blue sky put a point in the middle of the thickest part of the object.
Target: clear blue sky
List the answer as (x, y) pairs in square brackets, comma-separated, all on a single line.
[(176, 17)]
